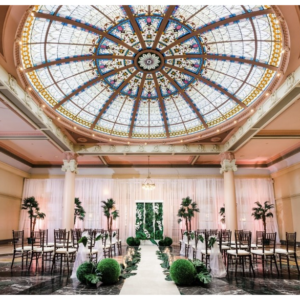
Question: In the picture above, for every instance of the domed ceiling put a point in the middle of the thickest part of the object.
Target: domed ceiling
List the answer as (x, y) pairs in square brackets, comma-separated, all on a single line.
[(150, 72)]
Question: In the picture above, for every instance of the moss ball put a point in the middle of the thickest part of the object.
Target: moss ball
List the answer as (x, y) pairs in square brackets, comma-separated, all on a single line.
[(183, 272), (84, 269), (130, 241), (137, 242), (161, 243), (110, 270), (168, 241)]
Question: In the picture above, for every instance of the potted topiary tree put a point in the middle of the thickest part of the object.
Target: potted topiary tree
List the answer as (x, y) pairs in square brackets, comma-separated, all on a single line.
[(32, 206), (110, 213), (262, 212), (187, 212), (79, 211)]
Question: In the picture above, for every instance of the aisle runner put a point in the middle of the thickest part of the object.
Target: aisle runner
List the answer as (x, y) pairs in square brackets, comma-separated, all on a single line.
[(149, 279)]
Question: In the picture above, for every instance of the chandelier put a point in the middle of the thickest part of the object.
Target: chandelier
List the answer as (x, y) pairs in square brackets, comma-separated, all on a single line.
[(148, 185)]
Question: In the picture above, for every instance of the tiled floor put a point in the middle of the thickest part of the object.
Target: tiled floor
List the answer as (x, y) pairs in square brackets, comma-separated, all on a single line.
[(16, 281)]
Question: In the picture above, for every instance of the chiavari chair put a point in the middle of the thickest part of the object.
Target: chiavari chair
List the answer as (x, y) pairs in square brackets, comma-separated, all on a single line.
[(289, 252), (19, 249), (267, 253), (241, 252)]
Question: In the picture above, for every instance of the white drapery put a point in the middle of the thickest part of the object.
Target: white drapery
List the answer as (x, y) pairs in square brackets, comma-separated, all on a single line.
[(207, 192)]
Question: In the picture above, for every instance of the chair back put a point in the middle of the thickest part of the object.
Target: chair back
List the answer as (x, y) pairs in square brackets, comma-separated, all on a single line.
[(61, 237), (41, 240), (291, 239), (242, 239), (225, 235), (18, 239), (213, 232), (259, 237), (268, 242), (75, 237), (206, 241)]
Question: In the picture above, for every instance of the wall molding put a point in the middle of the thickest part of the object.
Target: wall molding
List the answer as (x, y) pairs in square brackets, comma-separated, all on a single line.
[(285, 170), (13, 170)]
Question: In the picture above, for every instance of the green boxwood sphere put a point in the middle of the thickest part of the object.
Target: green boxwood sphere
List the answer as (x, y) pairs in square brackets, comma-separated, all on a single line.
[(137, 242), (183, 272), (130, 241), (161, 243), (110, 270), (168, 241), (84, 269)]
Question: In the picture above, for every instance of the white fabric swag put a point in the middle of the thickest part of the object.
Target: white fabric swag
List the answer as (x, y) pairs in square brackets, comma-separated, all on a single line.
[(207, 192)]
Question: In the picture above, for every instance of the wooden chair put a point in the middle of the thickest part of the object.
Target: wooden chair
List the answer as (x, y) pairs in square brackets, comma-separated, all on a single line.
[(224, 243), (19, 249), (205, 253), (76, 236), (289, 252), (119, 242), (241, 253), (39, 249), (106, 244), (258, 242), (267, 253), (62, 248), (213, 232)]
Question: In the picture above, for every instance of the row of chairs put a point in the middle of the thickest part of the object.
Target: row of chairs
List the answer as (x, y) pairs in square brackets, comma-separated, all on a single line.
[(64, 247), (242, 249)]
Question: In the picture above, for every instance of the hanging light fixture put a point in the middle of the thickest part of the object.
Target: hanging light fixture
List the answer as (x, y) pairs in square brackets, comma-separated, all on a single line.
[(148, 185)]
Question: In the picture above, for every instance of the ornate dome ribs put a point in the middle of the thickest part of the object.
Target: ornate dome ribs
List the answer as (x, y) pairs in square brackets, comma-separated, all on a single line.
[(150, 72)]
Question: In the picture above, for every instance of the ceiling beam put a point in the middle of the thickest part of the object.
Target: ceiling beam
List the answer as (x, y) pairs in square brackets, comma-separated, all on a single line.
[(162, 104), (112, 97), (209, 83), (75, 59), (136, 104), (186, 98), (135, 26), (85, 27), (222, 58), (163, 25), (218, 24), (89, 84), (149, 149)]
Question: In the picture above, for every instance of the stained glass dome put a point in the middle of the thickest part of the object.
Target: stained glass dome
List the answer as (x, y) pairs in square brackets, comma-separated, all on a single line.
[(150, 72)]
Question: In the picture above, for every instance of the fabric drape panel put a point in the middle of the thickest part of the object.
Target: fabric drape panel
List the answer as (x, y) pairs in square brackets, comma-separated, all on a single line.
[(207, 192), (49, 194), (249, 191)]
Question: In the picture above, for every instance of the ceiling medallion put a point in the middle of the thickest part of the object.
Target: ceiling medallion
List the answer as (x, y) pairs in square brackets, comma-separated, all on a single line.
[(149, 61)]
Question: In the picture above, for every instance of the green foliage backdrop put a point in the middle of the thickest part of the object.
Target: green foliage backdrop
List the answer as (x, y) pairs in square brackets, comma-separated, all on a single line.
[(149, 220)]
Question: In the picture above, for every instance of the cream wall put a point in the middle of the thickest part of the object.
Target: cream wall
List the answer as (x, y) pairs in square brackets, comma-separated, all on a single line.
[(287, 196), (11, 187)]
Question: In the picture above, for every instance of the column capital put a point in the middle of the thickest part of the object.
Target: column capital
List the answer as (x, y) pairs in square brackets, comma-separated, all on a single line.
[(227, 162), (70, 162)]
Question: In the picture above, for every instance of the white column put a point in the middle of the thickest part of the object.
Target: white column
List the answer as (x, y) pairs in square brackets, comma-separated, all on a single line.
[(70, 169), (228, 167)]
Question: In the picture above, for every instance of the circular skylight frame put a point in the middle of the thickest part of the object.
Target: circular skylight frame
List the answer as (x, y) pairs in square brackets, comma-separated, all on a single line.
[(191, 135)]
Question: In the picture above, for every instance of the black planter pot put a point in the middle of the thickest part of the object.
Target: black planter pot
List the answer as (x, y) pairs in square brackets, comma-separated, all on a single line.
[(30, 240)]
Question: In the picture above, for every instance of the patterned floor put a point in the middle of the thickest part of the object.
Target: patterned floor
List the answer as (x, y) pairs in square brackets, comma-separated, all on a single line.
[(16, 282)]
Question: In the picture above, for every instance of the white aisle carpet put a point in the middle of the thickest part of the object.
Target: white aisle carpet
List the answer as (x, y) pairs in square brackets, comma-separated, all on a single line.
[(149, 279)]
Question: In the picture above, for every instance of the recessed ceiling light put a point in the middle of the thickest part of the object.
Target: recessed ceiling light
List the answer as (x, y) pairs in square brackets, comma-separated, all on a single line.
[(278, 74), (58, 118), (128, 142), (252, 110), (234, 122), (93, 135), (181, 141), (43, 105), (21, 69), (32, 14), (75, 127), (145, 143), (20, 43), (267, 94), (218, 130), (110, 140), (30, 89)]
